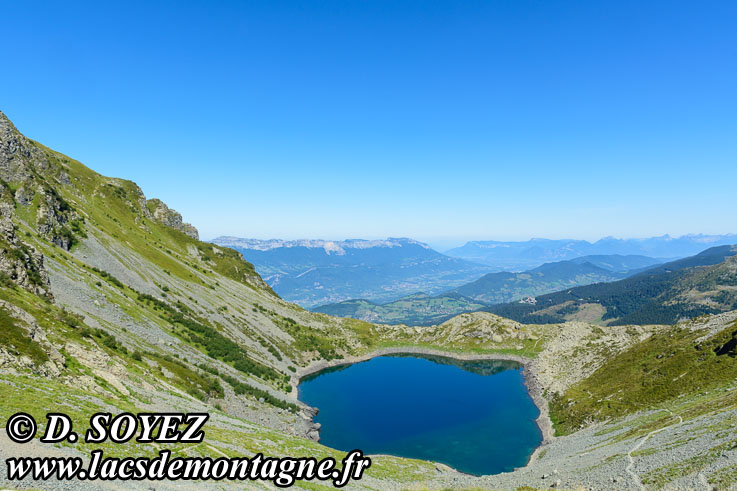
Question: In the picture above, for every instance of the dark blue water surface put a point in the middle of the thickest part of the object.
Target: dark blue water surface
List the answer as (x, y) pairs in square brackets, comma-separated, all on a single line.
[(476, 417)]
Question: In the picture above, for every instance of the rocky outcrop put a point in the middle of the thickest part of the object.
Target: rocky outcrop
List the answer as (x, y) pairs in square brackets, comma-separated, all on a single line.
[(19, 158), (20, 264), (32, 170), (54, 217), (21, 165), (101, 364), (305, 426), (171, 218)]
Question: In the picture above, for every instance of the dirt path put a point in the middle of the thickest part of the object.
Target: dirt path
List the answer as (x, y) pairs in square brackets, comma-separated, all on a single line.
[(216, 450), (705, 482), (635, 476)]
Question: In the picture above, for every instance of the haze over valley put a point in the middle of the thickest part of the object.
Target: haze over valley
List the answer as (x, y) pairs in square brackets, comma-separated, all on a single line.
[(381, 245), (522, 255), (315, 272), (405, 281), (109, 297)]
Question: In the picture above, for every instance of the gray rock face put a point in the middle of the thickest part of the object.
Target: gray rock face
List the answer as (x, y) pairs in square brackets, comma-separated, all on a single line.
[(21, 162), (28, 167), (30, 175), (19, 263), (171, 218), (17, 157), (305, 425), (53, 217), (24, 195)]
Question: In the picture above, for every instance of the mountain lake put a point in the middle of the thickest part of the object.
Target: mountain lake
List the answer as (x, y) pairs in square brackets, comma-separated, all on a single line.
[(475, 416)]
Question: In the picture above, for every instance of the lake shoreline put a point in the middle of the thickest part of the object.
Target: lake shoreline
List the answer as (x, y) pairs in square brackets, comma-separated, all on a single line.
[(532, 383)]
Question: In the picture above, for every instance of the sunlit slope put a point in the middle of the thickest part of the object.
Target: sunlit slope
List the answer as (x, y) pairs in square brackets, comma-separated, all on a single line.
[(109, 302), (134, 280), (702, 284)]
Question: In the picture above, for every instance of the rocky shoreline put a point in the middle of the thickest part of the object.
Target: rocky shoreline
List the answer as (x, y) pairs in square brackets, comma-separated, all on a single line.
[(534, 388)]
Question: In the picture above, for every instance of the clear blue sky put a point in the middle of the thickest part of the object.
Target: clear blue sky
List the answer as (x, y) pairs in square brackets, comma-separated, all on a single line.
[(443, 121)]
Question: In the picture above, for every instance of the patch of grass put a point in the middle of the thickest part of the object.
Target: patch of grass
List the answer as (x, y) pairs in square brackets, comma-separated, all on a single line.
[(5, 280), (663, 475), (644, 452), (71, 319), (17, 340), (308, 339), (219, 347), (107, 276), (241, 388), (724, 477), (667, 365), (199, 385)]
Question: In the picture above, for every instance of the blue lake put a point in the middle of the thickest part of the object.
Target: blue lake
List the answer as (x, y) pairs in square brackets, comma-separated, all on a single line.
[(476, 417)]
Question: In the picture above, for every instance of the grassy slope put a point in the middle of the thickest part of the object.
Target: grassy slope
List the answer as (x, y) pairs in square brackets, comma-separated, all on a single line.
[(669, 365), (136, 341), (148, 300), (703, 284)]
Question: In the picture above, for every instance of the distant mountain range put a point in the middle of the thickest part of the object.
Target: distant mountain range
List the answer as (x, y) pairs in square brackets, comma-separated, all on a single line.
[(702, 284), (422, 309), (317, 272), (521, 256), (400, 280)]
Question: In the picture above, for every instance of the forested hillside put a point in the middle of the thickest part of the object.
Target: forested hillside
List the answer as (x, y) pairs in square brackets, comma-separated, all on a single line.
[(702, 284), (494, 288)]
